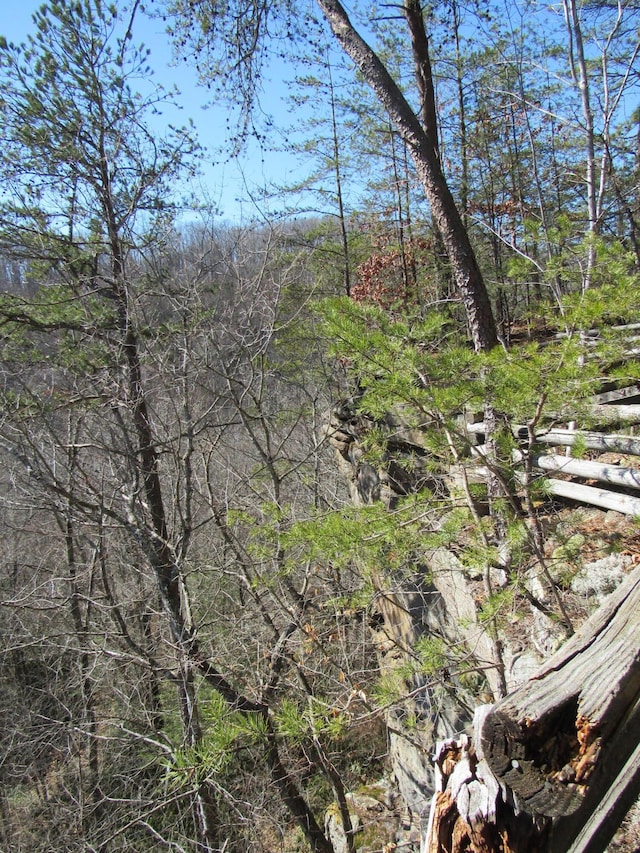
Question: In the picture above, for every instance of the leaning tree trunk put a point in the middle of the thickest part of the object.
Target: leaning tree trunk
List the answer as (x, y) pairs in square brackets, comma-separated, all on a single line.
[(423, 148)]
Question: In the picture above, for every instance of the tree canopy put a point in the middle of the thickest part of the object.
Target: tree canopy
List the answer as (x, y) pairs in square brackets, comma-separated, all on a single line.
[(256, 558)]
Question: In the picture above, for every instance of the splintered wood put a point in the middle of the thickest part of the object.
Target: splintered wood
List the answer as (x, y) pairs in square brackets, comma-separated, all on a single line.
[(472, 813), (542, 760)]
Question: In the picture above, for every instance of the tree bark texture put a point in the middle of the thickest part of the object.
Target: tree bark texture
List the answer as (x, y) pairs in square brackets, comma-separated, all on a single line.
[(424, 75)]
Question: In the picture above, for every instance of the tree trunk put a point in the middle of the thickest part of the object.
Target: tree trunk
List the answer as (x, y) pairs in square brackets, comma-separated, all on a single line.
[(342, 218), (424, 153), (579, 73)]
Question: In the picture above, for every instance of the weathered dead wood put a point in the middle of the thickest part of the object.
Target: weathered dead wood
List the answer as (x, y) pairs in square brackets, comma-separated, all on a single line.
[(590, 829), (613, 474), (557, 737), (605, 472), (562, 749), (618, 394), (590, 440), (625, 504), (470, 811), (570, 437), (610, 413)]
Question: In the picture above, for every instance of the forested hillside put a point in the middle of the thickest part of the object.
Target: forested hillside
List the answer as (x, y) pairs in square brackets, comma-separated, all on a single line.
[(274, 511)]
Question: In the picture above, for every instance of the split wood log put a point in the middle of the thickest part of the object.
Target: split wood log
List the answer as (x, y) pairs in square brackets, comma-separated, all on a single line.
[(555, 765), (470, 813)]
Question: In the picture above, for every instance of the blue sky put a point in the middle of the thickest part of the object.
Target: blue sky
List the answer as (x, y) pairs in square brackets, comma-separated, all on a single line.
[(229, 185)]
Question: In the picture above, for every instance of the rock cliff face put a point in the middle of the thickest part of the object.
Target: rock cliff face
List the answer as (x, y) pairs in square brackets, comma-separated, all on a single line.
[(432, 601), (440, 599)]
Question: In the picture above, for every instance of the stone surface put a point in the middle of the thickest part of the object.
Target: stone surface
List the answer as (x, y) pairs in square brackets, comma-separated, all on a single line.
[(376, 815), (599, 578)]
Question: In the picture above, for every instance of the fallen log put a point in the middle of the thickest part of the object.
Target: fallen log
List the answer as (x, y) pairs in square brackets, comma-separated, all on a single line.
[(626, 504), (611, 412), (589, 440), (629, 392), (561, 752), (617, 475), (602, 498), (569, 437)]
